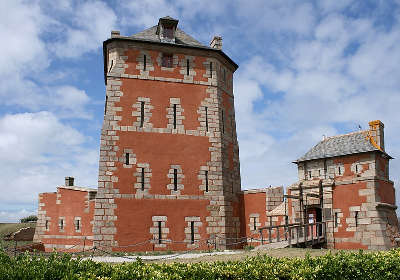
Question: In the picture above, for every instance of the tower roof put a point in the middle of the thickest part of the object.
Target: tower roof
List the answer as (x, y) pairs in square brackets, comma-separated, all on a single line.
[(341, 145), (181, 38)]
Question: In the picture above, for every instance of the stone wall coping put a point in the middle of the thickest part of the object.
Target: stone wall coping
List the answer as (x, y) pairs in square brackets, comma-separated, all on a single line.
[(76, 188)]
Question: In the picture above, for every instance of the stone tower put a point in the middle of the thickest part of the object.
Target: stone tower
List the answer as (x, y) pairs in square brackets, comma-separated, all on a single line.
[(169, 160)]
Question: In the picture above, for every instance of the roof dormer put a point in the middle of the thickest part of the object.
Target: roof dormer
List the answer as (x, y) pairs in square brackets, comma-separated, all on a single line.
[(166, 29)]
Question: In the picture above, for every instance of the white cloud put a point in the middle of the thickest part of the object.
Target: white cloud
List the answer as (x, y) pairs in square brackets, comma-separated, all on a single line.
[(90, 24), (15, 216), (36, 152)]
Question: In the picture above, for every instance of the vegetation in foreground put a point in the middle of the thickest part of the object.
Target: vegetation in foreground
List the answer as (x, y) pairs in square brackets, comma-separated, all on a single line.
[(343, 265)]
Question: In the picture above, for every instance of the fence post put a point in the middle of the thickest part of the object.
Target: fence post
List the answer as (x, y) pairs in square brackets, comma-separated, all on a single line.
[(290, 237), (312, 235), (297, 235), (84, 240), (277, 234), (262, 238)]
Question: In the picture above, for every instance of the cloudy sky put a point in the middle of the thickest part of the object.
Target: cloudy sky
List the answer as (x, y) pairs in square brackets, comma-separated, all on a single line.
[(306, 69)]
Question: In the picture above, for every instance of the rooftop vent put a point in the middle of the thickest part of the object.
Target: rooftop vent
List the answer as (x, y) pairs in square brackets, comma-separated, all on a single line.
[(216, 43), (166, 29), (69, 181)]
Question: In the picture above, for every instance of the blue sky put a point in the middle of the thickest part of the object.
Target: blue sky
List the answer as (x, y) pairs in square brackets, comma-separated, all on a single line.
[(306, 69)]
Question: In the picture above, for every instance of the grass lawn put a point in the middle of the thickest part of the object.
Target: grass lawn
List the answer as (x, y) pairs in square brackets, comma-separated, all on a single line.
[(6, 228)]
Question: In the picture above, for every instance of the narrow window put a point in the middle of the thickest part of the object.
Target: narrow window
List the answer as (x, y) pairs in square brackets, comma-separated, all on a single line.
[(187, 66), (224, 74), (356, 218), (319, 172), (47, 224), (61, 224), (192, 232), (211, 70), (340, 171), (336, 219), (141, 113), (206, 118), (232, 126), (142, 179), (174, 116), (167, 61), (127, 158), (206, 181), (309, 174), (356, 168), (223, 121), (77, 224), (159, 232), (175, 179), (254, 223), (144, 62), (105, 106)]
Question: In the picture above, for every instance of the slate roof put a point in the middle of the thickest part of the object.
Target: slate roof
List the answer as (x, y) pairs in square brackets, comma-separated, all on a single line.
[(340, 145), (181, 38)]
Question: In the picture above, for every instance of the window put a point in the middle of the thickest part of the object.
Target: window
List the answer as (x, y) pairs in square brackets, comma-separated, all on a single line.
[(168, 32), (144, 62), (223, 121), (206, 118), (254, 223), (175, 179), (309, 175), (336, 219), (77, 224), (159, 233), (211, 70), (105, 106), (141, 113), (319, 172), (187, 67), (47, 225), (356, 218), (142, 179), (340, 170), (61, 224), (192, 232), (174, 116), (167, 60), (206, 173), (127, 158)]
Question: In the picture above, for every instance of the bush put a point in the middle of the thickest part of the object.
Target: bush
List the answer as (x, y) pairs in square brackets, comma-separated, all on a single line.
[(28, 219), (344, 265)]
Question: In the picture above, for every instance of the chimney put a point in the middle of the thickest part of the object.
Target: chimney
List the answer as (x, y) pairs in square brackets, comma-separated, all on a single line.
[(69, 181), (115, 33), (376, 130), (216, 43)]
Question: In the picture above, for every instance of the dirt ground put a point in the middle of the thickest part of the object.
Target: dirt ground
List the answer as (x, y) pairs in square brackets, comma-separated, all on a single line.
[(278, 253)]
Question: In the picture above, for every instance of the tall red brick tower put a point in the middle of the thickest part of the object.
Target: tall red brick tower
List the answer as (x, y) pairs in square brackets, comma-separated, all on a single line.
[(169, 157)]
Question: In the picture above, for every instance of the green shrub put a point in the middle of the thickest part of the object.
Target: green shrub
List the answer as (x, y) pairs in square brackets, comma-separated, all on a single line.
[(344, 265), (28, 219)]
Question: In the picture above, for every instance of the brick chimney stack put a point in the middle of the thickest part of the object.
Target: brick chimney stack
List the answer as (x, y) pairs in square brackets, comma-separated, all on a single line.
[(216, 43), (69, 181), (377, 133)]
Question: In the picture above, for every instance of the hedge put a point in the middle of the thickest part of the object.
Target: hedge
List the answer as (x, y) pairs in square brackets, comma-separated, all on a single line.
[(343, 265)]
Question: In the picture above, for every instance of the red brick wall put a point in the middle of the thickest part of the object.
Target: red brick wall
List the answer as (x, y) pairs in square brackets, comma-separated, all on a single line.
[(386, 192), (72, 204), (254, 203)]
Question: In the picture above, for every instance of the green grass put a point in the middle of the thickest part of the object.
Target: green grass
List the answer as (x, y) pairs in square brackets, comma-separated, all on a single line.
[(6, 228)]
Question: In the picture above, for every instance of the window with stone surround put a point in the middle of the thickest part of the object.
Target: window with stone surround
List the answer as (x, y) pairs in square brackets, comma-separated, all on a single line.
[(168, 32), (78, 225), (128, 158), (175, 174), (47, 224), (254, 221), (167, 60), (143, 175), (159, 231), (61, 223), (144, 62), (142, 111), (211, 69), (175, 115), (192, 231)]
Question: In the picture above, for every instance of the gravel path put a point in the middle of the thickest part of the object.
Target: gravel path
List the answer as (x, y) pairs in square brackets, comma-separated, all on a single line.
[(133, 258)]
